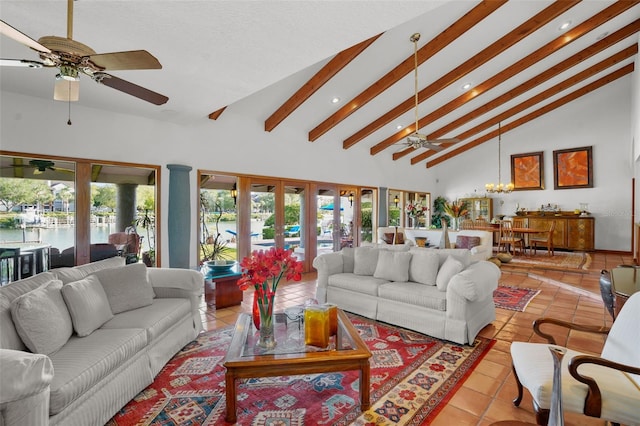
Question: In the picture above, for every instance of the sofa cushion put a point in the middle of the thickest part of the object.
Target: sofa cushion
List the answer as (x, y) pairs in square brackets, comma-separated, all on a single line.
[(42, 319), (467, 242), (393, 266), (414, 294), (88, 304), (85, 361), (365, 260), (449, 268), (423, 268), (358, 283), (9, 338), (127, 287), (67, 275), (155, 318)]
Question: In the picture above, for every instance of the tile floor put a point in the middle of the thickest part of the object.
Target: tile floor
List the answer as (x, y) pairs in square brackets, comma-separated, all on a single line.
[(485, 397)]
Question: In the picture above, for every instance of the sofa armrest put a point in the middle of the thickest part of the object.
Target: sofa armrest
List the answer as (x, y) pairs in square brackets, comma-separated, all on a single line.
[(183, 280), (476, 282), (23, 374), (327, 264)]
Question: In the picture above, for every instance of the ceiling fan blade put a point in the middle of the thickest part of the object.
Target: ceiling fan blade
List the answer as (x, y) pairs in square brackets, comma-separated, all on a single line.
[(444, 140), (25, 63), (130, 88), (130, 60), (432, 146), (20, 37), (65, 90)]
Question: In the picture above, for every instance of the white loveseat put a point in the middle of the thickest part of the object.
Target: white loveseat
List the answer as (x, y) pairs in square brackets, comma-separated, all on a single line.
[(441, 293), (78, 343), (483, 251)]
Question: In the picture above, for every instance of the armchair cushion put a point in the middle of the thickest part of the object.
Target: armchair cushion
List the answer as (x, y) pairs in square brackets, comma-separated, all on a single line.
[(388, 237), (467, 242), (88, 305), (42, 319)]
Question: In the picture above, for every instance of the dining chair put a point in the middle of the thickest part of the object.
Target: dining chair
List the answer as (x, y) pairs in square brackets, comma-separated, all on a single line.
[(466, 224), (480, 223), (508, 239), (544, 239)]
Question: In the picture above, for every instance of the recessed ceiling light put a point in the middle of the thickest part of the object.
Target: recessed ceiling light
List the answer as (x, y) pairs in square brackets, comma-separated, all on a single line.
[(399, 126), (335, 100), (466, 86), (564, 25)]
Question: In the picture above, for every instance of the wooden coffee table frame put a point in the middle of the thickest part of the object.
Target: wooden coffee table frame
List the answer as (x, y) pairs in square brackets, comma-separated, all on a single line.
[(355, 358)]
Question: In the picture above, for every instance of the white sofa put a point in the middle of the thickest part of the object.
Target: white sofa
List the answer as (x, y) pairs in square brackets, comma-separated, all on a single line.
[(441, 293), (77, 344)]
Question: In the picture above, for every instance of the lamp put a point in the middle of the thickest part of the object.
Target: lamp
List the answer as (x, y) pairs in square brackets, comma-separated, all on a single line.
[(499, 187), (396, 200), (234, 194), (350, 199)]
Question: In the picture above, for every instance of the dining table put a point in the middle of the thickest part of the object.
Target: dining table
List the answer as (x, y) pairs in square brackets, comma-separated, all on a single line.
[(526, 232)]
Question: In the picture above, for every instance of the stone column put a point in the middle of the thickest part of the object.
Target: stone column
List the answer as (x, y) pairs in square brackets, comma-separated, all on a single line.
[(179, 219), (125, 205), (383, 207)]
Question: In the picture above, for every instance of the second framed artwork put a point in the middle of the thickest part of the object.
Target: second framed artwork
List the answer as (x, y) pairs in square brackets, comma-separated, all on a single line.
[(527, 171), (573, 168)]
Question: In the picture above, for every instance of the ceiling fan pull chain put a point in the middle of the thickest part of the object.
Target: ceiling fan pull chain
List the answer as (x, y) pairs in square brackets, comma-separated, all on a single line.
[(69, 101)]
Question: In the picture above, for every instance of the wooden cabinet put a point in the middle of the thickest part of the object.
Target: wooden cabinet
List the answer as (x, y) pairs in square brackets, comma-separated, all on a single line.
[(479, 208), (572, 232)]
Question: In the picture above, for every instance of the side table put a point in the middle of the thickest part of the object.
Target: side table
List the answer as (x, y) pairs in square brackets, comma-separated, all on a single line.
[(226, 292)]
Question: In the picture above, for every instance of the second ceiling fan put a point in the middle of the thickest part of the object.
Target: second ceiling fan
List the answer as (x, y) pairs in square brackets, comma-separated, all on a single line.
[(73, 58)]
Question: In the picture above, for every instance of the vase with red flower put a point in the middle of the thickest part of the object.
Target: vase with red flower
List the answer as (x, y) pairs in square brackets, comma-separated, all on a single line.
[(264, 269)]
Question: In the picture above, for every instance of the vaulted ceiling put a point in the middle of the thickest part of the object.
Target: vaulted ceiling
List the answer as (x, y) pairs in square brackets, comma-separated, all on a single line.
[(288, 60)]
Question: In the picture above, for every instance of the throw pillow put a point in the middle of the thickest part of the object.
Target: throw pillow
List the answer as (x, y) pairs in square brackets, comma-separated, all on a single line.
[(421, 241), (42, 319), (424, 268), (88, 305), (365, 260), (449, 268), (467, 242), (400, 238), (127, 287), (393, 266), (387, 237)]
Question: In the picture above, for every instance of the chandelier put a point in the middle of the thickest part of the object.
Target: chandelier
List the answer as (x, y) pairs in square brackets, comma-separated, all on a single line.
[(499, 187)]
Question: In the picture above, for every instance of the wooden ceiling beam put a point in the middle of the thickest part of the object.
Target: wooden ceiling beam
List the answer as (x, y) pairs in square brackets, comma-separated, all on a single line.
[(485, 55), (327, 72), (564, 65), (546, 94), (628, 69), (442, 40), (214, 115), (516, 68)]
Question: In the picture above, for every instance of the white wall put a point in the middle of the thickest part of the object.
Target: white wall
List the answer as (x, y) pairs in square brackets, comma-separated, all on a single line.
[(237, 143), (601, 119)]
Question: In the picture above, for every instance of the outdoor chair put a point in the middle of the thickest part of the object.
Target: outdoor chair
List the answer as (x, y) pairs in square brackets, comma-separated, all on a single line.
[(294, 231), (605, 386), (544, 239)]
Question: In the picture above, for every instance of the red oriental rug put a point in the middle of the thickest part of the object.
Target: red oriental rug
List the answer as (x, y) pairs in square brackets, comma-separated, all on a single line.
[(412, 378), (513, 298)]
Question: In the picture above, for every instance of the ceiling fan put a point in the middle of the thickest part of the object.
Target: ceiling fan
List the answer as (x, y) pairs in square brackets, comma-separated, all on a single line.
[(418, 140), (73, 58), (39, 166)]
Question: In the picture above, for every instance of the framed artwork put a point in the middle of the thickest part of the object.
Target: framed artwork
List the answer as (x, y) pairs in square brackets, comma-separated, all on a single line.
[(573, 168), (527, 171)]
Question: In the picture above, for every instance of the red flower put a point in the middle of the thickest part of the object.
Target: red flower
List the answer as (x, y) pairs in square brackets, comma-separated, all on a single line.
[(265, 265)]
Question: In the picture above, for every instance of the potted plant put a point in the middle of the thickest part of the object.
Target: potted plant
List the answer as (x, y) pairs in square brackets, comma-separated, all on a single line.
[(215, 252), (147, 222)]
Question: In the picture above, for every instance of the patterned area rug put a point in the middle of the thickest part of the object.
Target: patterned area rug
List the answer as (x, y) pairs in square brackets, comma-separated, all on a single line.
[(560, 261), (412, 378), (513, 298)]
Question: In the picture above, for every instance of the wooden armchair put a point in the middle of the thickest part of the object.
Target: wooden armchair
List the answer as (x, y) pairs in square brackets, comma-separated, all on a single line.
[(605, 386)]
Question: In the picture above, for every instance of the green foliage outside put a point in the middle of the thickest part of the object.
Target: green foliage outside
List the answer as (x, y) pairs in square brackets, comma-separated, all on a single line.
[(291, 218), (9, 221), (366, 218), (14, 192), (394, 216)]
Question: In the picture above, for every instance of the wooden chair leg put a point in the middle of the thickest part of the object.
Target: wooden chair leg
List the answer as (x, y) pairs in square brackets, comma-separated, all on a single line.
[(518, 399)]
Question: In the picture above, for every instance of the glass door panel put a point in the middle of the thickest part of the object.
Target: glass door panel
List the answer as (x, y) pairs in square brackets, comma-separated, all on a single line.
[(268, 217), (368, 216), (347, 217), (395, 205), (295, 224), (329, 235)]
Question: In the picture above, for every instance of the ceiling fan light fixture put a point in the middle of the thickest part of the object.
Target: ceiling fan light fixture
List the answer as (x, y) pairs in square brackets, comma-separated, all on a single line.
[(69, 73)]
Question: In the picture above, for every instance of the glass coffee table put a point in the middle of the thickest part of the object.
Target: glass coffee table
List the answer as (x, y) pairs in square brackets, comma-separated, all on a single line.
[(291, 356)]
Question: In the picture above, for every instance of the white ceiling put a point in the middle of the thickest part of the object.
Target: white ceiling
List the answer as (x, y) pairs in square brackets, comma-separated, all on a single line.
[(253, 55)]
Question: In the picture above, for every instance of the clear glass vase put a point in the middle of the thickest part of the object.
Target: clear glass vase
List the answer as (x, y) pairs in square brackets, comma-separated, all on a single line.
[(266, 337)]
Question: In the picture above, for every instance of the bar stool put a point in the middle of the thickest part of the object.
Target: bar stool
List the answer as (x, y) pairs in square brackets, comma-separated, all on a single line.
[(9, 265)]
